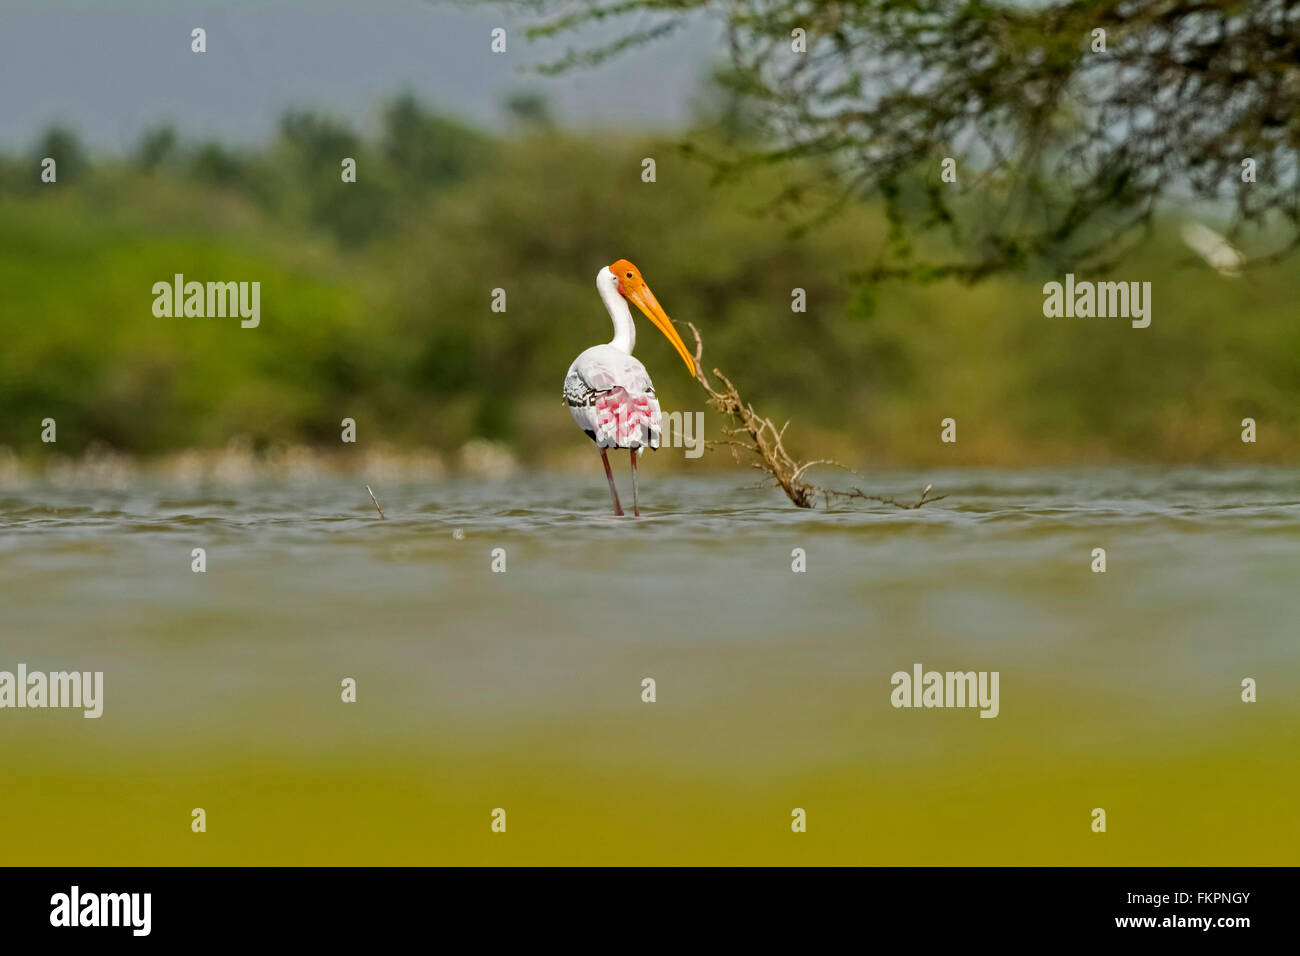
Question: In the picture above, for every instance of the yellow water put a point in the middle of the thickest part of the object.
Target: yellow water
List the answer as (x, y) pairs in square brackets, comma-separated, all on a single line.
[(522, 690)]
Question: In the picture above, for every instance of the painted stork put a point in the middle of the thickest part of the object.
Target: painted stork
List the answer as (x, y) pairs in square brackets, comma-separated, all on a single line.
[(609, 393)]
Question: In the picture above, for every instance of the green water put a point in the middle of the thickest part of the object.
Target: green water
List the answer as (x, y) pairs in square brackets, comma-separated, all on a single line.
[(522, 690)]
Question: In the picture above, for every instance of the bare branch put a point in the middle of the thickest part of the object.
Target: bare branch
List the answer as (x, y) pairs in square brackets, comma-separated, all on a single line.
[(766, 444), (376, 501)]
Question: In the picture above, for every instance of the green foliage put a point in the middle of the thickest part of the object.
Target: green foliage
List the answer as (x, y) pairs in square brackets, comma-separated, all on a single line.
[(376, 305), (1067, 149), (63, 146), (157, 146), (430, 149)]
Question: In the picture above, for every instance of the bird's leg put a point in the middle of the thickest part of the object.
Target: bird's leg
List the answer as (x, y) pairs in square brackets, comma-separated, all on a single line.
[(636, 507), (618, 508)]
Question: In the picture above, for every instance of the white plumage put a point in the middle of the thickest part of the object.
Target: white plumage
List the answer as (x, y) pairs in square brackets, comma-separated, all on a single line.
[(612, 399), (609, 393)]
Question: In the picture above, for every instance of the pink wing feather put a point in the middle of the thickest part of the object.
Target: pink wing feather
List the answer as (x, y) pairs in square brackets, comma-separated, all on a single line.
[(612, 399)]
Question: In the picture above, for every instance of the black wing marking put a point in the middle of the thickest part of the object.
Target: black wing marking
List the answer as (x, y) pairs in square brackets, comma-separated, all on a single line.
[(577, 391)]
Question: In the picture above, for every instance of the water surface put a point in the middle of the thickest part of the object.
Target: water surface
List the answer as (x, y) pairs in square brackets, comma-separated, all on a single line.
[(522, 689)]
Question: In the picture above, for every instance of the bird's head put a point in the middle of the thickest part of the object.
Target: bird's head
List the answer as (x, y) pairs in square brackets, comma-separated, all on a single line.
[(633, 288)]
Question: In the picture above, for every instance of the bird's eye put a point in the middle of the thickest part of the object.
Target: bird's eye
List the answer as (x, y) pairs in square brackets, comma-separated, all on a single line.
[(629, 275)]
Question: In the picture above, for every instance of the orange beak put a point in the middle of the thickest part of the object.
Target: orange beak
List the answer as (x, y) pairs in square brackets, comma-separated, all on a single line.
[(645, 300)]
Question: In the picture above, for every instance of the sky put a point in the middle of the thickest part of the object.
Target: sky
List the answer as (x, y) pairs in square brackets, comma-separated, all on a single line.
[(109, 70)]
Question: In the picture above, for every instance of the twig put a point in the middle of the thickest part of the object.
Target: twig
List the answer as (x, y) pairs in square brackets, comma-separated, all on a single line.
[(925, 498), (376, 501), (766, 444)]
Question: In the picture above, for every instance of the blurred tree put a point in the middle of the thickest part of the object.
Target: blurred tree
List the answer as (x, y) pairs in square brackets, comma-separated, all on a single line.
[(320, 142), (723, 106), (396, 326), (213, 163), (354, 212), (428, 148), (157, 146), (529, 111), (63, 146), (1071, 121)]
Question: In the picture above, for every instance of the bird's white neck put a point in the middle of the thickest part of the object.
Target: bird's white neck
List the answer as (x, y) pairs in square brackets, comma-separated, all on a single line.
[(624, 331)]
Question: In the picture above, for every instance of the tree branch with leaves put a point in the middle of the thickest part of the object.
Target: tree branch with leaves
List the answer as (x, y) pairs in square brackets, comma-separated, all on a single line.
[(1072, 122)]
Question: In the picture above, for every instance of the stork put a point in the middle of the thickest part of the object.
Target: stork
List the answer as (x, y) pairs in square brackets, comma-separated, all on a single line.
[(609, 393)]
